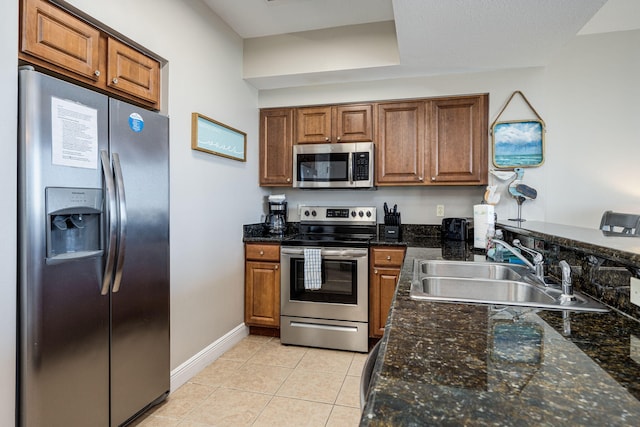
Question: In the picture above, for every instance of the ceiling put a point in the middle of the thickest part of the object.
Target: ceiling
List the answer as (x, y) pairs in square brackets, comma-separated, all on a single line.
[(437, 36)]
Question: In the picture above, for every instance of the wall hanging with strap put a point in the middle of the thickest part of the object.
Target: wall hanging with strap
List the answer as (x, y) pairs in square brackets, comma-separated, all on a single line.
[(518, 143)]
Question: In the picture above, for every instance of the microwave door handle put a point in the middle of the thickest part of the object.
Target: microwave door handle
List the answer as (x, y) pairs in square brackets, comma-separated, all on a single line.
[(351, 158)]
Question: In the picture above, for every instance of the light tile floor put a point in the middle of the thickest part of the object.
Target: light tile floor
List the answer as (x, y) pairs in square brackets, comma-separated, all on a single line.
[(261, 382)]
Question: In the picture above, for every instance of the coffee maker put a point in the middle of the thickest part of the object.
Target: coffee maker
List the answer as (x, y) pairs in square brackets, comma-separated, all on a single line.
[(276, 220)]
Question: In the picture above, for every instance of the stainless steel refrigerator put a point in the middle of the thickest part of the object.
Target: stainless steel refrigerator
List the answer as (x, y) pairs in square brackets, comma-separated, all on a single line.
[(93, 281)]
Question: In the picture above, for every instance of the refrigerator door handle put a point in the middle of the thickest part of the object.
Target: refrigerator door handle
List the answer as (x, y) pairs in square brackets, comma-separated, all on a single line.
[(122, 211), (113, 223)]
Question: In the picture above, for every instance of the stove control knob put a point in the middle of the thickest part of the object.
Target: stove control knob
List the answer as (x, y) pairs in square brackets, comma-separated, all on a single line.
[(313, 213), (361, 214), (368, 214), (353, 214), (306, 213)]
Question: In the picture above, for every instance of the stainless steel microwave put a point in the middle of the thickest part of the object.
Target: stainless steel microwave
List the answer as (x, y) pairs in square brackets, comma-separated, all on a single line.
[(340, 165)]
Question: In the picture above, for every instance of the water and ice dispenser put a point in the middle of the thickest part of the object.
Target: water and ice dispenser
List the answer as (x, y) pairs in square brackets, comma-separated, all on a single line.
[(73, 222)]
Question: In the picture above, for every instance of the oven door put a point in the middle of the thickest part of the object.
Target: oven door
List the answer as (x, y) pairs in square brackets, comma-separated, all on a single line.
[(343, 294)]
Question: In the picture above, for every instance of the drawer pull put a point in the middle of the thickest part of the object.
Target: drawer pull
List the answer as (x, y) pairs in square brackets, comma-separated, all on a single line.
[(388, 257), (261, 252)]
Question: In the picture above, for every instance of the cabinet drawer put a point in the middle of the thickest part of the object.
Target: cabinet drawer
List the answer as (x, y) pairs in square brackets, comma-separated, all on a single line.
[(387, 257), (262, 252)]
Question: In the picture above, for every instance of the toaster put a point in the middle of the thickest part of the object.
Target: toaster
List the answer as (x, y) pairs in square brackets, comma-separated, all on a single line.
[(457, 229)]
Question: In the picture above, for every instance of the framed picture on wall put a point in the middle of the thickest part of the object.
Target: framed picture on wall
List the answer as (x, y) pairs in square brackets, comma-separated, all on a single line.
[(518, 144), (213, 137)]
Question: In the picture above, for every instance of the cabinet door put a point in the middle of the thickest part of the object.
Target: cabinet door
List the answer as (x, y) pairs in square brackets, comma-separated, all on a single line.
[(386, 263), (382, 287), (458, 140), (400, 151), (313, 125), (58, 38), (276, 158), (132, 72), (353, 123), (262, 294)]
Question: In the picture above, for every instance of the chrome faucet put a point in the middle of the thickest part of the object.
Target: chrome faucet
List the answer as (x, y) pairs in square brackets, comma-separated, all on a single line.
[(538, 261), (567, 286)]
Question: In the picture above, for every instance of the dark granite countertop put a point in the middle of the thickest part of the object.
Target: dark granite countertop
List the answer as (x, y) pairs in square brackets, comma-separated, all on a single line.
[(465, 364)]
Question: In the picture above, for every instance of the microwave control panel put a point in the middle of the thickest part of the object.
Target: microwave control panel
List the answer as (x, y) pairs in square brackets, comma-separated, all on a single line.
[(361, 166)]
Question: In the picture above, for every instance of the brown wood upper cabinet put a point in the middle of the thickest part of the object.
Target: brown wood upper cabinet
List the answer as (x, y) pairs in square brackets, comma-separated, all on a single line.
[(58, 41), (458, 139), (276, 136), (437, 141), (400, 143), (339, 123)]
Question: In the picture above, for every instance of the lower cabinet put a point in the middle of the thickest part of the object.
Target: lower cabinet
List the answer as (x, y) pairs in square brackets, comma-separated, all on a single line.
[(262, 285), (385, 265)]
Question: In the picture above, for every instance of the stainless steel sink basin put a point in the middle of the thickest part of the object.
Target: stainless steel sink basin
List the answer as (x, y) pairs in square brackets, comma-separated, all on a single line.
[(490, 283), (478, 270), (483, 290)]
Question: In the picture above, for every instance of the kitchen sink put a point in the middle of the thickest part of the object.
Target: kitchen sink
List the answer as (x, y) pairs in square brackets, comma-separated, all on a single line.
[(490, 283), (478, 270), (483, 290)]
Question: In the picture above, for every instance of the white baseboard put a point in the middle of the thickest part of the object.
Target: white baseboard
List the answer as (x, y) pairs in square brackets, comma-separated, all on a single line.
[(202, 359)]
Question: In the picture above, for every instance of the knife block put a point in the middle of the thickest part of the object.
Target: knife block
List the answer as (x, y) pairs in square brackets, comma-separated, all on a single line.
[(392, 228)]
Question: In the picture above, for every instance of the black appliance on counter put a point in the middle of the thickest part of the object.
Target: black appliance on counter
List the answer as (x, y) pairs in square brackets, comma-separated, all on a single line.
[(460, 229), (276, 219)]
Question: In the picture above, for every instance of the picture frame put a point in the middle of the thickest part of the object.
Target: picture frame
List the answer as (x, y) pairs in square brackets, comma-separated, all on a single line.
[(518, 144), (213, 137)]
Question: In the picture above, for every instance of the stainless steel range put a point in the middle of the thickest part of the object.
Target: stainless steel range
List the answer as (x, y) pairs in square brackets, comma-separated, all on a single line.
[(324, 280)]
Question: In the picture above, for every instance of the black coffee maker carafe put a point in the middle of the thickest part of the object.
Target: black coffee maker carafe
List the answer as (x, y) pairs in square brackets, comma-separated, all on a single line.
[(276, 220)]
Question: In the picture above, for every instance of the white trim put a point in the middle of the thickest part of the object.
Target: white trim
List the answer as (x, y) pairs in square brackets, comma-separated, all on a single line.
[(206, 356)]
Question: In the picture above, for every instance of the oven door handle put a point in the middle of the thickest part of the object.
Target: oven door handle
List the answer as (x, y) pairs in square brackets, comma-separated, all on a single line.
[(351, 253)]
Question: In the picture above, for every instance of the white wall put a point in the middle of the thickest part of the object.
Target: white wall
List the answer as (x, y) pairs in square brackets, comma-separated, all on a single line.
[(588, 99), (8, 178), (211, 197), (593, 95)]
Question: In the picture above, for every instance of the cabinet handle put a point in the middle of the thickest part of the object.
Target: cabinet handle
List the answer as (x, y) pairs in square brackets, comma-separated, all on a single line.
[(327, 139), (338, 138), (115, 80), (261, 252), (433, 178), (288, 179), (420, 178), (277, 266), (97, 73), (375, 271)]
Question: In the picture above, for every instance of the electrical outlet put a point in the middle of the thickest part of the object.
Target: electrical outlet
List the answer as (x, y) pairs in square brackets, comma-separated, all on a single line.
[(440, 210), (635, 291)]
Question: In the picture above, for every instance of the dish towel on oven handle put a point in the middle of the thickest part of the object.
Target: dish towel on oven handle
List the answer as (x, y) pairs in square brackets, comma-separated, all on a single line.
[(312, 269)]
